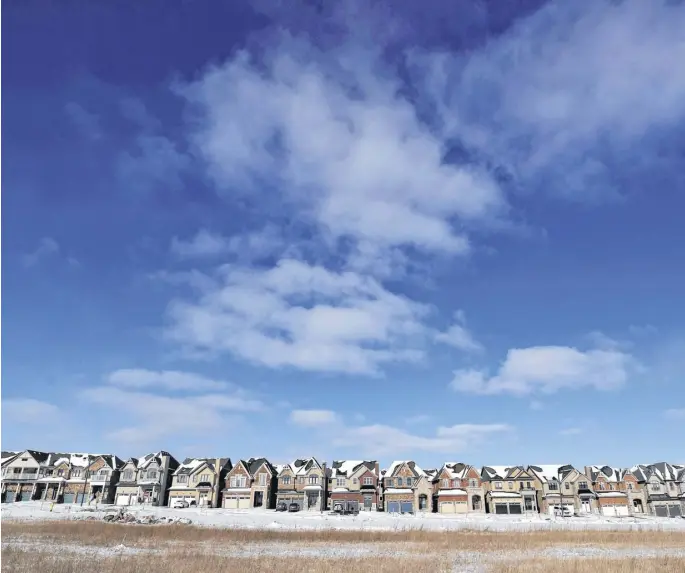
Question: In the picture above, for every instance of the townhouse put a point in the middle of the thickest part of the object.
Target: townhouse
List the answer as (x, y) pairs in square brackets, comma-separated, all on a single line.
[(251, 483), (663, 489), (407, 488), (353, 485), (618, 491), (458, 488), (303, 482), (564, 490), (145, 481), (198, 481)]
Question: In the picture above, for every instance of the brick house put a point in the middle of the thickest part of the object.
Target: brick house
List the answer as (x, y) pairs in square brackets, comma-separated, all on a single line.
[(250, 483), (406, 488), (618, 491), (457, 488), (564, 487), (660, 481), (354, 483), (198, 481), (146, 480), (502, 495), (303, 482)]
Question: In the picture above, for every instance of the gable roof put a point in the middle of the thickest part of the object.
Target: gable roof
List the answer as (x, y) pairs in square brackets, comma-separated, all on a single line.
[(301, 466), (345, 468), (489, 473), (416, 470), (253, 464), (612, 475), (8, 456), (455, 470)]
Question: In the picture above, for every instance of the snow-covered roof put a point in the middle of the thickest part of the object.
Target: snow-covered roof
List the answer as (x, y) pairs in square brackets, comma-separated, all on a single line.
[(611, 494), (547, 472), (411, 464), (508, 494), (345, 468), (398, 490), (452, 492), (8, 456), (340, 490), (52, 479), (300, 466), (493, 472), (312, 487), (613, 475), (456, 470), (189, 465)]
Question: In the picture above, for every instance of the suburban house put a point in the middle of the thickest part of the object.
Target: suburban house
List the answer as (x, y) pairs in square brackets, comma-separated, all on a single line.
[(250, 483), (618, 491), (102, 475), (198, 481), (354, 483), (19, 475), (303, 482), (681, 485), (564, 488), (660, 481), (146, 480), (502, 495), (457, 488), (407, 488)]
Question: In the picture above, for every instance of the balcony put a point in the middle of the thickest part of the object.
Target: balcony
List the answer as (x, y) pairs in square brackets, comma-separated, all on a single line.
[(20, 477), (100, 478)]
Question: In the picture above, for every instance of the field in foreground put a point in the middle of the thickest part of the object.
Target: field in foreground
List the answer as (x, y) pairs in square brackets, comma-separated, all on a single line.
[(71, 546)]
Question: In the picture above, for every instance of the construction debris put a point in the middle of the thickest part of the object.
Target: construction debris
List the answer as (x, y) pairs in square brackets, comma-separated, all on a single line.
[(123, 516)]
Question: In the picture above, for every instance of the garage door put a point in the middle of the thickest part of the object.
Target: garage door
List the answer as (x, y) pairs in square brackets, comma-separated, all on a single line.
[(406, 507), (661, 510), (25, 496), (622, 510), (447, 507), (393, 507), (515, 508), (80, 497), (68, 498), (123, 499), (231, 503), (501, 508), (674, 511)]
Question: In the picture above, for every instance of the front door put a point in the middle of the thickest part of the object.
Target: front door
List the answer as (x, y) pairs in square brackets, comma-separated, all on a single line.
[(368, 502), (312, 500), (258, 498), (585, 506)]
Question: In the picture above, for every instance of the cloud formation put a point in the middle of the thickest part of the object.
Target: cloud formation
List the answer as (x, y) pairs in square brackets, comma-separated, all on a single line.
[(46, 248), (139, 378), (313, 418), (28, 411), (548, 369)]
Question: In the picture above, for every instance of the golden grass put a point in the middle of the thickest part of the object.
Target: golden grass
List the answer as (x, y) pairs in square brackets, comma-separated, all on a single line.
[(593, 565), (109, 534), (14, 561)]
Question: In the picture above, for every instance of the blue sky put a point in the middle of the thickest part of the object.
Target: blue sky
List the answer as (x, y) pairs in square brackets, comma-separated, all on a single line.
[(447, 231)]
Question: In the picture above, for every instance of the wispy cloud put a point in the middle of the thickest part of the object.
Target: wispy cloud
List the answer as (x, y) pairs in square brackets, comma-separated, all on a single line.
[(548, 369), (459, 337), (28, 411), (571, 431), (46, 248), (138, 378), (312, 418), (248, 246), (87, 122)]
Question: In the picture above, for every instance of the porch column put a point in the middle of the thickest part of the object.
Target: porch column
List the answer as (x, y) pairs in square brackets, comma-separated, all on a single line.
[(33, 489)]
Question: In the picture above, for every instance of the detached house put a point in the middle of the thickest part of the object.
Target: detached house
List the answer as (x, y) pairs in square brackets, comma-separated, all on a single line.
[(303, 482), (660, 481), (354, 482), (198, 481), (564, 487), (457, 488), (249, 484), (618, 491), (406, 488), (19, 475), (502, 495), (145, 480)]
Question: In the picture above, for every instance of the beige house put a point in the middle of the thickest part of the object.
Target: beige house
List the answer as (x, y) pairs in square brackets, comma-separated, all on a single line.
[(618, 491), (662, 488), (19, 475), (457, 488), (146, 480), (303, 482), (198, 481), (564, 490), (406, 488), (354, 484), (502, 495), (250, 484)]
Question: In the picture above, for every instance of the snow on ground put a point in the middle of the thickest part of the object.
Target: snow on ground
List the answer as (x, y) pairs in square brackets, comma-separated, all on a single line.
[(371, 521)]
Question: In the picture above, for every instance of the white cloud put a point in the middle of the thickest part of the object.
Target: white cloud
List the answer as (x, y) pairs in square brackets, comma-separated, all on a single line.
[(312, 418), (295, 314), (248, 246), (47, 247), (675, 414), (571, 431), (88, 123), (28, 411), (381, 440), (333, 135), (418, 419), (459, 337), (563, 87), (548, 369), (138, 378)]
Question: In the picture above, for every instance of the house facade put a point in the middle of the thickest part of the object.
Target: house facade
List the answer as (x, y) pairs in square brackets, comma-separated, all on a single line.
[(660, 482), (250, 483), (354, 483), (618, 491), (407, 488), (20, 473), (198, 481), (457, 488), (145, 481), (502, 495), (564, 487), (303, 482)]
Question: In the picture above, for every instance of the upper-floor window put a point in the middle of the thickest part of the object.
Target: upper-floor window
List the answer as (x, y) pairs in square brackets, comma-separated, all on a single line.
[(528, 485), (602, 485), (301, 480), (368, 481), (473, 482), (340, 482), (582, 485), (205, 477), (399, 482), (654, 486), (498, 485), (128, 475), (241, 481), (445, 483), (553, 485), (262, 479), (629, 485), (183, 478), (285, 480), (409, 481), (567, 485), (511, 485), (455, 483), (60, 473), (313, 480), (611, 486), (672, 485), (152, 474), (355, 481)]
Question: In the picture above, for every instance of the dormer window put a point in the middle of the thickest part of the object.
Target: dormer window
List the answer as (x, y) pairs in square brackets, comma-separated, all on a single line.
[(313, 480), (183, 478)]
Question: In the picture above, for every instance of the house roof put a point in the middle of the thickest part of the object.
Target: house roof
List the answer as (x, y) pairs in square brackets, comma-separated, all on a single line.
[(456, 470), (302, 466), (550, 472), (345, 468), (416, 470), (507, 494), (8, 456), (613, 475), (452, 492), (489, 473)]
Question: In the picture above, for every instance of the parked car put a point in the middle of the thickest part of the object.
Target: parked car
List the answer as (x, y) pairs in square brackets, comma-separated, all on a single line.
[(562, 511), (179, 504), (281, 506), (293, 507)]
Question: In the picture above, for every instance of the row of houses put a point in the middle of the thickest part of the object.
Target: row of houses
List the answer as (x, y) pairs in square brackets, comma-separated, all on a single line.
[(455, 488)]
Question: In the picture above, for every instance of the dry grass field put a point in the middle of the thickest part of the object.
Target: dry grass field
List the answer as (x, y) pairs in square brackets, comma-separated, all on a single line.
[(71, 546)]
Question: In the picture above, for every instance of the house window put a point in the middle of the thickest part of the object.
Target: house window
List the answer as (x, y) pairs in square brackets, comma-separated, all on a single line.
[(183, 478), (340, 482), (302, 480), (630, 485), (553, 486), (528, 485), (473, 483), (368, 481), (655, 486), (409, 482), (313, 480), (355, 481), (241, 481), (286, 480), (60, 473), (582, 485), (567, 485), (399, 482), (152, 475), (205, 477), (672, 485), (602, 486), (445, 483), (262, 479), (498, 485), (511, 485), (455, 483)]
